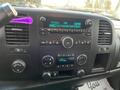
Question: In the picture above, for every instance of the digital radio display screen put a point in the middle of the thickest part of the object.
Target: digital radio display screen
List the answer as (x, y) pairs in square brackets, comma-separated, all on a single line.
[(64, 23), (65, 60)]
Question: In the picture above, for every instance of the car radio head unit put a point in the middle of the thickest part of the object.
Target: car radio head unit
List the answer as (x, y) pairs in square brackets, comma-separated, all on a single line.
[(66, 23)]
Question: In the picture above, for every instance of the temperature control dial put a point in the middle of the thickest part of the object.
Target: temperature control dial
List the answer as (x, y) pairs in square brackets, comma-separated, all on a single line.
[(18, 66), (82, 59), (67, 42), (48, 60)]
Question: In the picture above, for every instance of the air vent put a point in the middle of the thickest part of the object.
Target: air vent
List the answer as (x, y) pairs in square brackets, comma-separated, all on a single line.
[(105, 33), (17, 33)]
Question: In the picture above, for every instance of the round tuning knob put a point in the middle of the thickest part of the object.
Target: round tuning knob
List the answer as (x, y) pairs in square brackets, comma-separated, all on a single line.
[(82, 59), (48, 61), (18, 66), (46, 76), (67, 42)]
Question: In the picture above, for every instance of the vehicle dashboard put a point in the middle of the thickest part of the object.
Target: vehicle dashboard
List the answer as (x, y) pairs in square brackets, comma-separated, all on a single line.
[(56, 46)]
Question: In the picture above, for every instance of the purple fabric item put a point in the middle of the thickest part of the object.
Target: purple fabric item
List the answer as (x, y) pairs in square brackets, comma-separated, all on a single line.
[(22, 20)]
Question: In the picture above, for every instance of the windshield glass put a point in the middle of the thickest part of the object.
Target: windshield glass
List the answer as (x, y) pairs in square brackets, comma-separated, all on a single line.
[(106, 7)]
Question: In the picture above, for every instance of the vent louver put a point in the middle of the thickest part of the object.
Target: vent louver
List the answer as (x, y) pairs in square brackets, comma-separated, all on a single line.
[(105, 33), (17, 34)]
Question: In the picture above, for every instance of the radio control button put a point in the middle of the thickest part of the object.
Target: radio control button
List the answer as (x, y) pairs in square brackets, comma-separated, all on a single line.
[(67, 42), (57, 42), (43, 42), (82, 42), (73, 55), (48, 29), (50, 42), (71, 65), (88, 42), (80, 72), (58, 66), (81, 59), (54, 73), (46, 76), (88, 22), (43, 33), (88, 34)]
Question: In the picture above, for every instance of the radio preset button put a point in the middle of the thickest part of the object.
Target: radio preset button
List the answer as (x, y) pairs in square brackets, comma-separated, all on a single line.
[(88, 42), (66, 66), (71, 65), (59, 30), (57, 42), (82, 42), (44, 42), (58, 66), (50, 42)]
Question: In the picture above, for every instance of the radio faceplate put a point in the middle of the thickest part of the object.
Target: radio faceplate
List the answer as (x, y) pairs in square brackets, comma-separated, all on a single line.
[(65, 44)]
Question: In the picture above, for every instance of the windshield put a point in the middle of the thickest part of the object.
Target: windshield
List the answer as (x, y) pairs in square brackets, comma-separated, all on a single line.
[(106, 7)]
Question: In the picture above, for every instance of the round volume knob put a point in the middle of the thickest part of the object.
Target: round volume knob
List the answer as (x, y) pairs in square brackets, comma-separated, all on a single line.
[(18, 66), (82, 59), (42, 19), (88, 22), (48, 60), (46, 76), (67, 42)]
